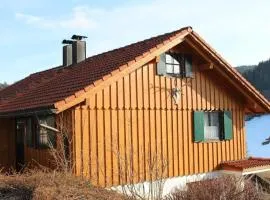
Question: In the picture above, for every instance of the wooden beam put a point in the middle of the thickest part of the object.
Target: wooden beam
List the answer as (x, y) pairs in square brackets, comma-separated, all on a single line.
[(206, 66), (157, 59), (253, 107), (198, 50)]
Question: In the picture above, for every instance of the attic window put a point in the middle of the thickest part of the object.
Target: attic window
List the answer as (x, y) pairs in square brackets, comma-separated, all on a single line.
[(175, 64)]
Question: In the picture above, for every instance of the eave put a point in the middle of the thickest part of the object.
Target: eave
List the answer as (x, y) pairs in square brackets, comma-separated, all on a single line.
[(255, 101), (48, 110)]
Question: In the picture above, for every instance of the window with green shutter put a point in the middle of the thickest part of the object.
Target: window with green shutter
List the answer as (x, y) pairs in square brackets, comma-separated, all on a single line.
[(175, 64), (214, 125)]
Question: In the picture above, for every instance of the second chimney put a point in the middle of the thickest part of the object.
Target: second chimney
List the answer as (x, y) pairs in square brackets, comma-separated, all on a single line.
[(78, 48), (74, 51)]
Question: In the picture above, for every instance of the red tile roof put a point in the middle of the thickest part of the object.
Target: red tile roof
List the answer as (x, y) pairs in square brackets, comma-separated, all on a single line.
[(241, 165), (45, 88), (28, 83)]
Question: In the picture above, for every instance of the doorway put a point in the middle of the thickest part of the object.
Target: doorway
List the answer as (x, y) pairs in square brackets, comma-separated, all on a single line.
[(20, 135)]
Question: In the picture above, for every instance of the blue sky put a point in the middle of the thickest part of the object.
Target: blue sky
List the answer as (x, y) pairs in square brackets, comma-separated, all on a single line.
[(32, 30)]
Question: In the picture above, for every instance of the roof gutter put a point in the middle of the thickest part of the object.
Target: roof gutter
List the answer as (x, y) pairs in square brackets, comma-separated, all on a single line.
[(26, 113)]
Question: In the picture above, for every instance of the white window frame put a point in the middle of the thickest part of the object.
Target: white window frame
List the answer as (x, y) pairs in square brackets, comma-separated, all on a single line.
[(177, 67)]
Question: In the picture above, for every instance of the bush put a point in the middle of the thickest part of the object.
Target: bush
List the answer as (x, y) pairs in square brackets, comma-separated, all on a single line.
[(227, 187)]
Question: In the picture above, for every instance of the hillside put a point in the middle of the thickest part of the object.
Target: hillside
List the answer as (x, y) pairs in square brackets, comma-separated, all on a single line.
[(258, 75), (245, 68)]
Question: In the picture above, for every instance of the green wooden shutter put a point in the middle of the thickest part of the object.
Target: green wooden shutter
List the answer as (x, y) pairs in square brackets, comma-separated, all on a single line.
[(188, 65), (161, 65), (198, 120), (228, 129)]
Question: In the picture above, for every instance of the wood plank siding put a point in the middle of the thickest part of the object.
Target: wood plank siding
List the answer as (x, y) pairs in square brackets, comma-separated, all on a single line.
[(7, 143), (132, 130)]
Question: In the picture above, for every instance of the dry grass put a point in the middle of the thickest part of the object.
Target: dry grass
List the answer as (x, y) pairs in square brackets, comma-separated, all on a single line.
[(50, 185), (40, 185)]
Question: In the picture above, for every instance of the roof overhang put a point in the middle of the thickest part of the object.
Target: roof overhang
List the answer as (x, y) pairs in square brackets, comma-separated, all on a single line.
[(30, 112), (245, 167), (248, 172), (255, 102)]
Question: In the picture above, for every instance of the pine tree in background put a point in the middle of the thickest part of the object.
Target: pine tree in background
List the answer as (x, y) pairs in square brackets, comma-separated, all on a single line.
[(259, 76), (3, 85)]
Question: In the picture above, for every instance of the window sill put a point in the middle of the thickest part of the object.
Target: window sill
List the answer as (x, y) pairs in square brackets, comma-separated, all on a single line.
[(171, 75), (212, 141)]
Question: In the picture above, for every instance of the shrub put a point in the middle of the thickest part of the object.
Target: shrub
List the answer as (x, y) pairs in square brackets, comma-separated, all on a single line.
[(223, 188)]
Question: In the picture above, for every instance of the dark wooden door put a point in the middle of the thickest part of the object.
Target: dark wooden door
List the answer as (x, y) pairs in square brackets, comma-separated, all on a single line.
[(20, 134)]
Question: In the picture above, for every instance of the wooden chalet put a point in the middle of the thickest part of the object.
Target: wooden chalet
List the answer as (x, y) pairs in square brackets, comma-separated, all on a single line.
[(169, 98)]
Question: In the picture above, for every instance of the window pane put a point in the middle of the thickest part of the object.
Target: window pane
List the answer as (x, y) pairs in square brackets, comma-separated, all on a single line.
[(214, 119), (169, 68), (47, 137), (176, 69), (175, 58), (43, 137), (211, 125), (169, 59)]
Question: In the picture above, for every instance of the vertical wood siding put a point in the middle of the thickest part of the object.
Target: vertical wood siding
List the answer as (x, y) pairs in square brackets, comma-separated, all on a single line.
[(134, 124), (7, 143)]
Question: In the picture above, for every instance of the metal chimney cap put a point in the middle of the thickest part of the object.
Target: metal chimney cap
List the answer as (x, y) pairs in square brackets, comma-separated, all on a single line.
[(78, 37), (67, 42)]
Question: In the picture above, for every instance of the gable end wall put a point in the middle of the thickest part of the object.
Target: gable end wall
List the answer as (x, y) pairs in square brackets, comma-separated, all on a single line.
[(134, 122)]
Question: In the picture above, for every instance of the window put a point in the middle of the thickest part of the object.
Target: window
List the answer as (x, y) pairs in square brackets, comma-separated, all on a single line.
[(46, 137), (212, 125), (175, 64), (35, 134)]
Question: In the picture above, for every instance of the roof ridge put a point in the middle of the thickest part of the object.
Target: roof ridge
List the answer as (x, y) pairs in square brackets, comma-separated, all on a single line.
[(141, 41)]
